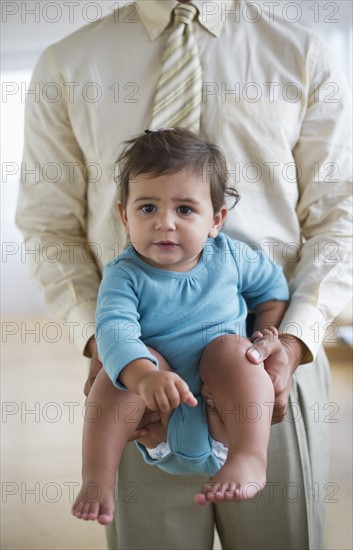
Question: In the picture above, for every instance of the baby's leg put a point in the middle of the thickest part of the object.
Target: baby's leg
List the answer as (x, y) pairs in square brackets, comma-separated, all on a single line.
[(111, 417), (118, 414), (243, 397)]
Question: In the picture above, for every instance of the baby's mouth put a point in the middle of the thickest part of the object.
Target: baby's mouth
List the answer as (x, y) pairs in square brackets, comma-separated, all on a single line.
[(165, 245)]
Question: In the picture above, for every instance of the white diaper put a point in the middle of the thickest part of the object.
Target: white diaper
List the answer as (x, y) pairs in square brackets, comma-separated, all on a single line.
[(162, 449)]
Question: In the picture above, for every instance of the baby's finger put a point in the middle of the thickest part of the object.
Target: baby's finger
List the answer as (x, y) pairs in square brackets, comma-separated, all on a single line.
[(185, 394), (191, 400), (173, 396), (271, 334), (163, 401), (151, 402), (256, 335)]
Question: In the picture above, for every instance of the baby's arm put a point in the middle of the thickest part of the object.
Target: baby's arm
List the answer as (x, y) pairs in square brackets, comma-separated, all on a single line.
[(160, 390), (269, 314)]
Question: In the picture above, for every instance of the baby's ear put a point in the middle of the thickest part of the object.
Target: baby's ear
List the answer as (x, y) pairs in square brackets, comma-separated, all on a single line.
[(213, 233), (218, 222), (123, 216)]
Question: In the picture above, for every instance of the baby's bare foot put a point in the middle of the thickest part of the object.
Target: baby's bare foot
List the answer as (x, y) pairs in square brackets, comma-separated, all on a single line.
[(239, 479), (95, 503)]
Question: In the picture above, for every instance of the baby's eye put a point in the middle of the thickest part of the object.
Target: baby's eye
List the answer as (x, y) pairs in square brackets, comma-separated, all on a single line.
[(184, 210), (148, 208)]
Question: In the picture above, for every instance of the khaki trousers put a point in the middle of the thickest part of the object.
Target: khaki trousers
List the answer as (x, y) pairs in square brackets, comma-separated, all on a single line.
[(156, 511)]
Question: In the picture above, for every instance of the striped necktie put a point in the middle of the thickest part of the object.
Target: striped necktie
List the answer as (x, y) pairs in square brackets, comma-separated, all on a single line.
[(178, 97)]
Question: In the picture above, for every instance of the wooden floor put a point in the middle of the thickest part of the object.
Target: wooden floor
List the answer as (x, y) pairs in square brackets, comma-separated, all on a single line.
[(42, 377)]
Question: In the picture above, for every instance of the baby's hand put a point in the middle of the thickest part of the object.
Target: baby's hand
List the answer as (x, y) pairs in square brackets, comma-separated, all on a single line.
[(164, 391), (257, 335)]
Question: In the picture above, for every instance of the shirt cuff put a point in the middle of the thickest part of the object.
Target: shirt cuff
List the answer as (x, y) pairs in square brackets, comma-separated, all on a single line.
[(81, 322), (308, 324)]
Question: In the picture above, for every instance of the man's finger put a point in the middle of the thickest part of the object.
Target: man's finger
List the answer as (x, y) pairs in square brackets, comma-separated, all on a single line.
[(279, 413), (254, 355), (261, 349), (149, 417), (88, 385), (138, 433)]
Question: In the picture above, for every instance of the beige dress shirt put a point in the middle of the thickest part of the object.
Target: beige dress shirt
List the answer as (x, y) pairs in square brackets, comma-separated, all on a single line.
[(275, 100)]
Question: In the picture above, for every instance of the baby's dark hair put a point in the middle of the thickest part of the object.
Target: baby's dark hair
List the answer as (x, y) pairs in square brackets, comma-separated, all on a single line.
[(168, 151)]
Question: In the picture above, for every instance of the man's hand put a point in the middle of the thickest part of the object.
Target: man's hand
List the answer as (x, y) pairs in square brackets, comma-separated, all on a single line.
[(95, 366), (281, 355), (152, 426), (164, 391)]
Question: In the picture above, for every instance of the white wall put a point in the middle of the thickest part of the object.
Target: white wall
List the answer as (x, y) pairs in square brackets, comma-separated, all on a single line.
[(27, 27)]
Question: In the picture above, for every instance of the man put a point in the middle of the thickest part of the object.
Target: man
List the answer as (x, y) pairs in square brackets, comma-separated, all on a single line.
[(276, 102)]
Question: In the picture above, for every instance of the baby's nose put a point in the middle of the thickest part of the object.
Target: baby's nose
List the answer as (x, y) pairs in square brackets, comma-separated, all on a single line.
[(165, 221)]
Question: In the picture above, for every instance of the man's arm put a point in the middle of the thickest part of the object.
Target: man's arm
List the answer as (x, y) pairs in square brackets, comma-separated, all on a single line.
[(52, 207), (322, 283)]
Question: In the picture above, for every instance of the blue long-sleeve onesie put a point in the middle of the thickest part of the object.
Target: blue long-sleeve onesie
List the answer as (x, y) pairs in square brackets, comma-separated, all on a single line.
[(178, 314)]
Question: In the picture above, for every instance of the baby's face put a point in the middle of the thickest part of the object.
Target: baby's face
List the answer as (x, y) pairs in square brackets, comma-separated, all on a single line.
[(169, 218)]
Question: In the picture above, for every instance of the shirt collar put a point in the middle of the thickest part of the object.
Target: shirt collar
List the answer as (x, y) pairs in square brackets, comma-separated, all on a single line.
[(156, 14)]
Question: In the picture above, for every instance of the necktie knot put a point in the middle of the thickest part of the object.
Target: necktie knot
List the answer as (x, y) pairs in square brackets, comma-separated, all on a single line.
[(184, 13)]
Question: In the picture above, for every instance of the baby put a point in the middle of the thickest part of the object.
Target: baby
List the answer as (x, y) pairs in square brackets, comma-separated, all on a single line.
[(171, 317)]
